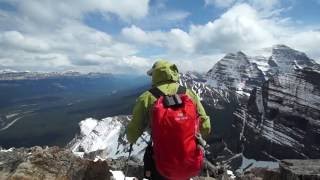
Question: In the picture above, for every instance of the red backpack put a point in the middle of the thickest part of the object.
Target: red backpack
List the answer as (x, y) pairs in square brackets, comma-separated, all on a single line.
[(175, 122)]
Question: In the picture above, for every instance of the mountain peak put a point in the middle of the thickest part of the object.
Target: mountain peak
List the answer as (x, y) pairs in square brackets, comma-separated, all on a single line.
[(288, 59), (240, 53), (281, 46)]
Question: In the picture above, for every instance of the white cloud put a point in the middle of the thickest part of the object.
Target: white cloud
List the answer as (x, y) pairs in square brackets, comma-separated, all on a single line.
[(161, 16), (16, 40), (48, 35), (242, 27), (52, 11), (72, 47), (195, 62), (239, 28), (174, 40), (264, 4), (174, 15), (220, 3), (257, 4), (51, 35), (307, 41), (123, 64), (136, 34)]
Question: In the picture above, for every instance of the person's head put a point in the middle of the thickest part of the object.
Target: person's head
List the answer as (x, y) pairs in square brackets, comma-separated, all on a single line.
[(163, 71)]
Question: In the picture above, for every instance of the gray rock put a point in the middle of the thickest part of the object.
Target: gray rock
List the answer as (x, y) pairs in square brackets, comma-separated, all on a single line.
[(49, 163), (293, 169), (300, 169)]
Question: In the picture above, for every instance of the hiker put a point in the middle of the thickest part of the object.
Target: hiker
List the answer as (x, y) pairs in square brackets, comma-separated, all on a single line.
[(165, 81)]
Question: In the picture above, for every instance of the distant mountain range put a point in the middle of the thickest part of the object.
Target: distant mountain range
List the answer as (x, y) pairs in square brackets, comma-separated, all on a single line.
[(8, 74)]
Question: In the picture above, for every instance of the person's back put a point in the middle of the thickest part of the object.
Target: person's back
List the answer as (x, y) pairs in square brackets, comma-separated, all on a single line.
[(165, 77)]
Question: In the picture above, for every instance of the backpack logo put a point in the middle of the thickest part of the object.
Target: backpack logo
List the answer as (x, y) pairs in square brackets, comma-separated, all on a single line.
[(181, 116)]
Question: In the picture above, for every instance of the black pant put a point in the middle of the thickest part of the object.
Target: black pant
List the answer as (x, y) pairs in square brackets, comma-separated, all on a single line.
[(149, 165)]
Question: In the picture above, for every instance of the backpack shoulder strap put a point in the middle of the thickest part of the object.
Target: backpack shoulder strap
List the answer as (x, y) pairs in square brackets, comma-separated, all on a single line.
[(156, 92), (181, 90)]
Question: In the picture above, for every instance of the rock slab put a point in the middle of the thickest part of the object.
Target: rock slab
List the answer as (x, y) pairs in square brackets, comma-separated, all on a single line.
[(300, 169)]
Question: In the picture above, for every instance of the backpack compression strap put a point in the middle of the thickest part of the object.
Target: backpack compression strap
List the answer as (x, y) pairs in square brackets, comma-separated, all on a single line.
[(156, 92), (182, 90)]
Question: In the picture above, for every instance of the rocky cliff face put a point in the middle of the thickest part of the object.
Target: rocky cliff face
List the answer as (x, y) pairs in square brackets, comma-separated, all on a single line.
[(281, 118)]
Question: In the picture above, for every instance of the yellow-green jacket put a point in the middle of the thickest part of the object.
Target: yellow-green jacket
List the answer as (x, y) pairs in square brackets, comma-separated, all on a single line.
[(165, 76)]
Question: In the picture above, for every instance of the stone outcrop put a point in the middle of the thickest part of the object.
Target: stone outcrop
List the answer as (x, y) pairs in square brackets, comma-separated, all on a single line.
[(294, 169), (300, 169), (49, 163)]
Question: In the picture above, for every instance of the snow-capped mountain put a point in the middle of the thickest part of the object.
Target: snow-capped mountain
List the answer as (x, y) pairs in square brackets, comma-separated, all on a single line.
[(235, 72), (285, 59), (241, 72), (106, 139)]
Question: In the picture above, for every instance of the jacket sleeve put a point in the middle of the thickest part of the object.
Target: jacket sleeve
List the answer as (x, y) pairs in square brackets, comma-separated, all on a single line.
[(205, 125), (139, 120)]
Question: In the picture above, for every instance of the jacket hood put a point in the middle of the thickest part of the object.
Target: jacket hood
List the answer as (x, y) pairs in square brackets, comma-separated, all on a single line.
[(164, 72)]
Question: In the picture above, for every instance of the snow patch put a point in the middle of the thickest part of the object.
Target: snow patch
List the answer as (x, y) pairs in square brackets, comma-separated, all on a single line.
[(230, 174), (106, 139), (87, 125), (119, 175), (7, 150)]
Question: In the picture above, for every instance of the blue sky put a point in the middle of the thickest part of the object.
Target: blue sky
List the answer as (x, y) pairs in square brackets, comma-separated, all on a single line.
[(128, 36)]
